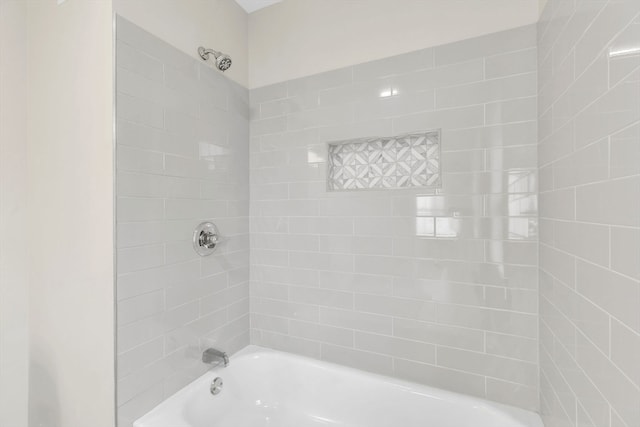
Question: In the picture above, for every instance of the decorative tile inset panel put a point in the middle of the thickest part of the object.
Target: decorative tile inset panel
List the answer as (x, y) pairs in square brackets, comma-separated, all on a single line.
[(397, 162)]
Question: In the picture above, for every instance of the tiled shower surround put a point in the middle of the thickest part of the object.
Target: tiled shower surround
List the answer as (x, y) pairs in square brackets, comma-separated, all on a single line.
[(182, 157), (433, 285), (589, 157)]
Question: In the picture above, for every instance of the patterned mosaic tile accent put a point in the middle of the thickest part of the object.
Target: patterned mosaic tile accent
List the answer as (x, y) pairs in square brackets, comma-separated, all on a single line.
[(397, 162)]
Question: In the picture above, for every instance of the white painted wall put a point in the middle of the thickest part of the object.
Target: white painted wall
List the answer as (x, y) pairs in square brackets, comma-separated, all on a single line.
[(70, 187), (297, 38), (187, 24), (14, 337), (543, 4)]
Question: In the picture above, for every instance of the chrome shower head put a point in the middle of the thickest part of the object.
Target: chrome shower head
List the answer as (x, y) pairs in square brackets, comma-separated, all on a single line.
[(223, 61)]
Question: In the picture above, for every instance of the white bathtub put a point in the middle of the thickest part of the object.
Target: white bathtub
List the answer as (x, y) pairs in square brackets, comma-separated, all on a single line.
[(269, 388)]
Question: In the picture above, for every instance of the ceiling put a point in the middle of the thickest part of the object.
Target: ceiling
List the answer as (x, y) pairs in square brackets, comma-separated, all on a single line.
[(253, 5)]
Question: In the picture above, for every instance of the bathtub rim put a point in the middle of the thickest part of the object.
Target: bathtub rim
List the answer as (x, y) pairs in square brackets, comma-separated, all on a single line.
[(252, 351)]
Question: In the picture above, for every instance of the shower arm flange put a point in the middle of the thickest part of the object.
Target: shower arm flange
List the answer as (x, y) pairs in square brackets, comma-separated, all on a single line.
[(204, 53)]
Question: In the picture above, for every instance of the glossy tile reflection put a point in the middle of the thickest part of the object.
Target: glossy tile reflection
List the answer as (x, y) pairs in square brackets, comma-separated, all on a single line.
[(589, 212)]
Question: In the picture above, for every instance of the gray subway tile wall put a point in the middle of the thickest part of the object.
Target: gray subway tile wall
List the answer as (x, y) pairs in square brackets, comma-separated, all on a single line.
[(438, 286), (182, 158), (589, 159), (446, 286)]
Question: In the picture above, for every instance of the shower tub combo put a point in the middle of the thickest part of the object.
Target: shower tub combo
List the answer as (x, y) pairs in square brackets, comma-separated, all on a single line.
[(267, 388), (260, 387)]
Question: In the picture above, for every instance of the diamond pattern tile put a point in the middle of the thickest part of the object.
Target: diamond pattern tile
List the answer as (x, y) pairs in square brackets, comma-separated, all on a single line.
[(397, 162)]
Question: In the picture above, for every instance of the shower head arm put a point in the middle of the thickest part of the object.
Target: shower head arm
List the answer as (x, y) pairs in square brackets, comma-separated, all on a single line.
[(204, 53)]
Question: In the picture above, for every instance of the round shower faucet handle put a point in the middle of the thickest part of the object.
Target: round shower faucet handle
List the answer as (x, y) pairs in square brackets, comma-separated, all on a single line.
[(206, 238)]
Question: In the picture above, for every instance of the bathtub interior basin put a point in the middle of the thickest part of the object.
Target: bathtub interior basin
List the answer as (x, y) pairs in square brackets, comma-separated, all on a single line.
[(267, 388)]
